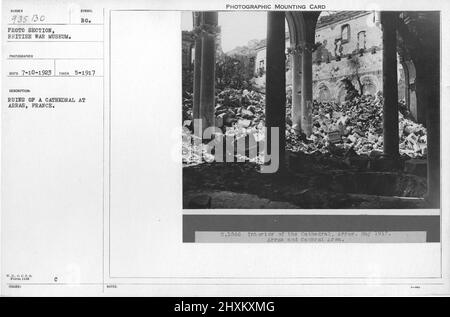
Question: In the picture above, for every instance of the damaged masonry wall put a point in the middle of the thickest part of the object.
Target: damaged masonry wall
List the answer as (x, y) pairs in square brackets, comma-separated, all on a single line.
[(348, 45)]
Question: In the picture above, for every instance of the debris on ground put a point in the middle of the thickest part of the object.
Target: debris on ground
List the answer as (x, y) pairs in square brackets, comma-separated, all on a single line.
[(352, 128), (320, 189)]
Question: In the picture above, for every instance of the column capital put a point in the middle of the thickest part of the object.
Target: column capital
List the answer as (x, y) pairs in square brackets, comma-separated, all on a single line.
[(196, 18)]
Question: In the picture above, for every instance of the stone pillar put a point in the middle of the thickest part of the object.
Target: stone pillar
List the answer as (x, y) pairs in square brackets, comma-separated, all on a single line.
[(421, 97), (208, 64), (276, 80), (307, 90), (296, 113), (197, 68), (390, 88)]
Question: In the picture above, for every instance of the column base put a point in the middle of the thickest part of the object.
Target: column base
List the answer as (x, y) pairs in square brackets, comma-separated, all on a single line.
[(386, 163)]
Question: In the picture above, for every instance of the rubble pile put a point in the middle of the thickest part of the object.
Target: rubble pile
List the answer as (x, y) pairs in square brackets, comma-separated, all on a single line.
[(354, 127)]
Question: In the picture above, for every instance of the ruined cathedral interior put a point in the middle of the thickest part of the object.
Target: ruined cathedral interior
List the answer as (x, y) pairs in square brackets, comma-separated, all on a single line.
[(357, 105)]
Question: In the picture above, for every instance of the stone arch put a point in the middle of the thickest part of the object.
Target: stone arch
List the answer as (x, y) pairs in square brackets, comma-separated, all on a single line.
[(369, 85), (402, 80), (334, 90), (412, 52), (302, 26), (419, 35)]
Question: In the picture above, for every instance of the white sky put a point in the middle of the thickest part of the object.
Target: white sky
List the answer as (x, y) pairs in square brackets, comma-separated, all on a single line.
[(237, 27)]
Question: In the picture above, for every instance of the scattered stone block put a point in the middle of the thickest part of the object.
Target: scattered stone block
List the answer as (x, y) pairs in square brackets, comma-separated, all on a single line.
[(417, 167)]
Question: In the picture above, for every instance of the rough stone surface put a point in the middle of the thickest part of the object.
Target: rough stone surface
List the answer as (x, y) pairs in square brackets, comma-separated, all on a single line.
[(232, 200), (200, 201)]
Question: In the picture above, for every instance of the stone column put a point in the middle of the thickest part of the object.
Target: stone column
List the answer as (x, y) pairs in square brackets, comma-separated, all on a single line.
[(412, 102), (433, 133), (208, 64), (428, 98), (428, 72), (406, 75), (276, 80), (390, 88), (197, 68), (296, 113), (307, 91)]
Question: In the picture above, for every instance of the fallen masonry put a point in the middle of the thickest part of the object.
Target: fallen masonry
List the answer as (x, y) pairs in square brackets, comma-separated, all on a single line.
[(240, 185)]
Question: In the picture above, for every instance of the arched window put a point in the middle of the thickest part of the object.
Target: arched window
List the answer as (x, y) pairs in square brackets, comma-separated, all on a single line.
[(261, 65), (345, 33), (362, 40), (324, 93), (369, 86)]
